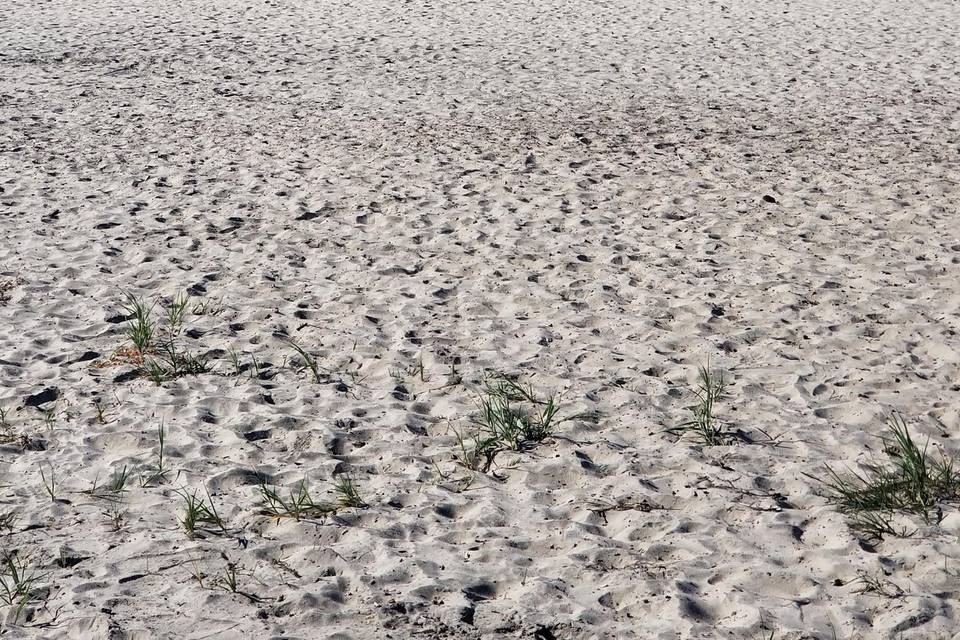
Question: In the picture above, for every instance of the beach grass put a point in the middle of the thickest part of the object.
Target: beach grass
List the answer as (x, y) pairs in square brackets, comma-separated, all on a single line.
[(510, 416), (912, 480), (703, 424)]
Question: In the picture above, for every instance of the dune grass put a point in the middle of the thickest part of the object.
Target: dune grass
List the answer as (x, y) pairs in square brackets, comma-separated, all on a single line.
[(911, 481), (348, 494), (157, 343), (140, 327), (228, 581), (175, 313), (101, 411), (297, 505), (18, 582), (9, 436), (172, 363), (510, 417), (877, 585), (114, 488), (310, 361), (703, 424), (199, 513), (156, 472), (49, 480), (115, 515)]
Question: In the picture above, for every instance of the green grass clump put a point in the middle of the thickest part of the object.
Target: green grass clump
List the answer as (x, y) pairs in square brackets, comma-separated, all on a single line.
[(175, 313), (156, 472), (114, 488), (310, 362), (199, 512), (298, 504), (173, 363), (703, 424), (158, 343), (510, 416), (912, 481), (228, 581), (18, 578), (348, 494), (140, 326)]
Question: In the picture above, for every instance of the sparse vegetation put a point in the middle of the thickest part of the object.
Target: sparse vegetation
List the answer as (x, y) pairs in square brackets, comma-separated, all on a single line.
[(197, 573), (878, 586), (174, 312), (6, 286), (50, 416), (703, 424), (49, 481), (140, 326), (158, 351), (913, 481), (348, 494), (115, 514), (8, 436), (510, 416), (310, 362), (198, 512), (7, 520), (298, 505), (173, 363), (18, 578), (114, 488), (234, 356), (876, 525), (100, 410), (207, 307), (158, 470), (255, 363), (414, 370), (228, 581)]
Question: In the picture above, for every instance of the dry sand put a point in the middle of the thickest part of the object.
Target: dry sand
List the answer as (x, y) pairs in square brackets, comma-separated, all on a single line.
[(599, 195)]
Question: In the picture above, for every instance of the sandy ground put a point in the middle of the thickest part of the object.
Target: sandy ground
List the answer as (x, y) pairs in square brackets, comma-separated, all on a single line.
[(598, 195)]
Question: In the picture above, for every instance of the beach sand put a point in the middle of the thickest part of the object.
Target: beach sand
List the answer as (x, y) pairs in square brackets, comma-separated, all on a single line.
[(595, 196)]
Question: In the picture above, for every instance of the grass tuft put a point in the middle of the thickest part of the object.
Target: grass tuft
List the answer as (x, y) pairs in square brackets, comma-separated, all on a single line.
[(199, 512), (703, 424), (158, 353), (298, 505), (510, 416), (157, 471), (8, 436), (912, 481), (310, 361), (140, 327), (348, 494), (49, 482), (173, 363), (18, 578), (876, 585), (228, 581), (175, 313), (8, 520)]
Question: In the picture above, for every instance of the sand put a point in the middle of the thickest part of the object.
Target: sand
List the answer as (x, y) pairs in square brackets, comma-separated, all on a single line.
[(598, 196)]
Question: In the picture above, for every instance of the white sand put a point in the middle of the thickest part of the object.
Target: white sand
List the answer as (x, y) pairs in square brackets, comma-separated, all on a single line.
[(570, 190)]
